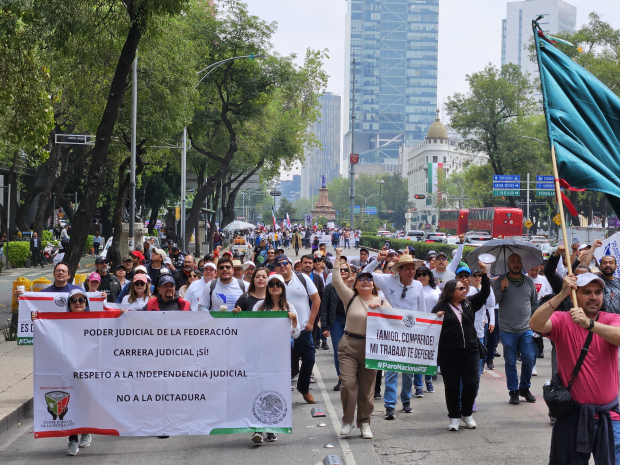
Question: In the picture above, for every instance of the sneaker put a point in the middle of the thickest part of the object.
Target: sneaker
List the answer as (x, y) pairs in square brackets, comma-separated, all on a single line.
[(527, 394), (434, 377), (257, 438), (324, 345), (454, 424), (518, 357), (317, 345), (337, 386), (271, 437), (85, 440), (419, 393), (429, 387), (390, 413), (407, 407), (312, 380), (366, 433), (73, 448), (541, 353), (378, 396), (475, 407), (346, 429), (490, 366), (496, 353), (534, 372), (469, 422), (514, 397)]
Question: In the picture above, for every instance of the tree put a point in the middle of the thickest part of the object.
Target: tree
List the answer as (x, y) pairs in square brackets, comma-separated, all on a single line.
[(286, 207)]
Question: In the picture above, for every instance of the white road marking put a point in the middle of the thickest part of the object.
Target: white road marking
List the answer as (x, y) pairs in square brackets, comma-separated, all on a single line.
[(342, 440), (493, 374)]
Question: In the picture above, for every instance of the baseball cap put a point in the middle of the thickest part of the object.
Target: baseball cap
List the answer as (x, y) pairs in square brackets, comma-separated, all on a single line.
[(165, 279), (127, 258), (141, 277), (167, 261), (276, 277), (211, 265), (209, 257), (587, 278), (159, 252), (583, 246), (100, 260), (441, 254), (140, 268), (280, 258), (94, 277), (119, 266), (246, 265), (461, 269), (138, 255)]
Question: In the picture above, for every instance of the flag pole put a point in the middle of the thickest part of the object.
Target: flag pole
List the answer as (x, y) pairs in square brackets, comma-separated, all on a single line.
[(558, 196)]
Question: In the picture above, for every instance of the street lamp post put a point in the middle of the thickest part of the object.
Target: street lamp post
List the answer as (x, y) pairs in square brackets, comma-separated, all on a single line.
[(380, 182)]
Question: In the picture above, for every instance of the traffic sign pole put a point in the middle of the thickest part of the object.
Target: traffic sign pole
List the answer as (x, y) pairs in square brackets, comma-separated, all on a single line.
[(528, 203)]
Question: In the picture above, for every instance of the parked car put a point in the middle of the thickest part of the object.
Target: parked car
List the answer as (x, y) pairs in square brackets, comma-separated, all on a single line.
[(415, 235), (452, 240), (436, 237), (478, 239), (398, 235)]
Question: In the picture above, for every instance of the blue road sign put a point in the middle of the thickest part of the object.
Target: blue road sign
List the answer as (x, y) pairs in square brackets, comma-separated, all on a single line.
[(506, 185), (371, 210), (507, 177), (545, 185), (544, 179), (356, 209)]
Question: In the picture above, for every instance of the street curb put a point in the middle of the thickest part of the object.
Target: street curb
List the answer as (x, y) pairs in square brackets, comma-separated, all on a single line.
[(21, 413)]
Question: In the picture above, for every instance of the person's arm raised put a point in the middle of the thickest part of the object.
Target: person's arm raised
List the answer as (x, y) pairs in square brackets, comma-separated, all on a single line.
[(541, 319)]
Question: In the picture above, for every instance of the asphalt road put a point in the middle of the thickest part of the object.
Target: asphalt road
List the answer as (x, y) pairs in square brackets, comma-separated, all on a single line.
[(506, 434)]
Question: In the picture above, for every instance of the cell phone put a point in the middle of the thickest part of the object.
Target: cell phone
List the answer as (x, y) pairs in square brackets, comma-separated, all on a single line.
[(387, 245)]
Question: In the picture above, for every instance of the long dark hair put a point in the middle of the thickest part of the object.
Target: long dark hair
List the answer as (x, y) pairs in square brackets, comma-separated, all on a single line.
[(268, 304), (252, 287), (431, 276), (448, 292)]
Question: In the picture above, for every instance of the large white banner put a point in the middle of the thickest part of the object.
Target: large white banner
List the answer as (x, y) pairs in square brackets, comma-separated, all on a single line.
[(611, 246), (161, 373), (402, 340), (46, 302)]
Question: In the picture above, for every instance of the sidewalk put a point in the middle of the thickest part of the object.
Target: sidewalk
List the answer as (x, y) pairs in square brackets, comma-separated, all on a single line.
[(15, 384)]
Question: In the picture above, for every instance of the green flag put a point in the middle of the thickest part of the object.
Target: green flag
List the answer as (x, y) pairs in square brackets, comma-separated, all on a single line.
[(583, 121)]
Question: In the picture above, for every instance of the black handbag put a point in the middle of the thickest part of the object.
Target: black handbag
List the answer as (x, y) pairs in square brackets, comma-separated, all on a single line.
[(556, 396)]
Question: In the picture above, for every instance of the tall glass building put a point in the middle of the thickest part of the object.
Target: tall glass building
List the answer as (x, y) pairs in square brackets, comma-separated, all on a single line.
[(325, 160), (394, 43)]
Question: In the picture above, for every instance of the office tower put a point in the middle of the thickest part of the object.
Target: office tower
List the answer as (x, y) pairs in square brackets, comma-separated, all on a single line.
[(395, 47), (323, 161), (558, 16), (291, 188)]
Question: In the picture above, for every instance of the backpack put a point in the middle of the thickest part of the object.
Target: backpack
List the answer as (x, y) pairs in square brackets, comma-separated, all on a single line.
[(212, 288)]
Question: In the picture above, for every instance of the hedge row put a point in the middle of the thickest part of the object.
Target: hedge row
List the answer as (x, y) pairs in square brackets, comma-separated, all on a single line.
[(19, 251), (421, 248)]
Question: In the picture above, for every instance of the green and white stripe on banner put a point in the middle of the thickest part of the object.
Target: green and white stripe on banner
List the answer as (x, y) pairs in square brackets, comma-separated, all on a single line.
[(433, 169)]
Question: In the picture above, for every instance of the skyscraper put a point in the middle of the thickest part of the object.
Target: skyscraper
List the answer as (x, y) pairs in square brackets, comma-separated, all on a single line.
[(394, 43), (325, 160), (558, 16)]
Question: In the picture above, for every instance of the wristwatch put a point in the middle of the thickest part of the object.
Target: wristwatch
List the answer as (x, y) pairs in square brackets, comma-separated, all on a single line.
[(589, 328)]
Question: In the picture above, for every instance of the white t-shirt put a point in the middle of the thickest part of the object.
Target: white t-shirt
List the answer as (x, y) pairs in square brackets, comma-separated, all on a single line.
[(543, 287), (295, 330), (297, 295), (223, 294), (393, 289), (58, 258), (194, 292), (137, 305), (481, 315), (431, 297)]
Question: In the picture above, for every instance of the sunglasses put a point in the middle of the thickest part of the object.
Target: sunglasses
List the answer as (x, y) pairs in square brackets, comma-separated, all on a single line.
[(463, 276), (366, 279), (224, 267), (404, 293), (275, 284), (284, 263), (139, 283), (422, 274), (81, 300), (461, 288), (477, 274), (318, 260), (344, 271)]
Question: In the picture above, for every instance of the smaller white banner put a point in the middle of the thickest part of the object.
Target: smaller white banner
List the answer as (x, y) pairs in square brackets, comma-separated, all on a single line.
[(402, 340), (46, 302), (611, 246)]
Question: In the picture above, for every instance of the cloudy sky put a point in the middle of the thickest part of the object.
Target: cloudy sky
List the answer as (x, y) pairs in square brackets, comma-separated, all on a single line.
[(469, 34)]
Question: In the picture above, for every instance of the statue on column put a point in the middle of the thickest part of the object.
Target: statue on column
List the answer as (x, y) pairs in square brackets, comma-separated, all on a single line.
[(324, 186)]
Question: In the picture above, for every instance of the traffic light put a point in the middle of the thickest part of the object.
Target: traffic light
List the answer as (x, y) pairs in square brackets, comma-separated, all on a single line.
[(419, 196)]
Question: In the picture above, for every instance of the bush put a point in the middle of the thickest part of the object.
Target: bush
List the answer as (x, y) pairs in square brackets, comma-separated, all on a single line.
[(89, 244), (421, 248), (46, 236), (18, 253)]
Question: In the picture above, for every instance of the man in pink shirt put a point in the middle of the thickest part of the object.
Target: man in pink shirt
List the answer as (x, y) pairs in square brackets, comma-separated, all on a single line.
[(593, 426)]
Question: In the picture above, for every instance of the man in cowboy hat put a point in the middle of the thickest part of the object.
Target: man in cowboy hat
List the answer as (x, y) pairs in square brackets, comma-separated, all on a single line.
[(402, 292)]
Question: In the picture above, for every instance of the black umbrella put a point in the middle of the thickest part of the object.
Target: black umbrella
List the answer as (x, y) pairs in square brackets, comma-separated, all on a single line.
[(501, 249)]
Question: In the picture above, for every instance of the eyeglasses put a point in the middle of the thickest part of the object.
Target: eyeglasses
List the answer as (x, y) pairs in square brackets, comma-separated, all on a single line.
[(284, 263), (81, 300), (224, 267), (461, 288), (275, 284), (271, 253), (366, 279), (422, 274)]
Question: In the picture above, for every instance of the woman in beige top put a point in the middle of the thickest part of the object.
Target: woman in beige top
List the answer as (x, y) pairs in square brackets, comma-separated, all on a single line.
[(358, 382)]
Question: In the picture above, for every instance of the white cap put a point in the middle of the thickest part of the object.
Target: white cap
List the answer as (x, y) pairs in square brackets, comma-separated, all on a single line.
[(587, 278), (167, 261), (210, 265), (274, 277), (583, 246), (248, 264)]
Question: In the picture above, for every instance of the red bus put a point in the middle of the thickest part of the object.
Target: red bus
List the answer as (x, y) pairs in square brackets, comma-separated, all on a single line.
[(453, 221), (498, 221)]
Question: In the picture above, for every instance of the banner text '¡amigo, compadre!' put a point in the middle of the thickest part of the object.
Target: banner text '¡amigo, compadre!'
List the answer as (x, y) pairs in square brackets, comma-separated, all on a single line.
[(161, 332)]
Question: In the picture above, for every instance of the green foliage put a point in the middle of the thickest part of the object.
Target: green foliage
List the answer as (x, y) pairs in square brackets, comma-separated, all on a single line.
[(286, 206), (89, 244), (421, 248), (19, 252), (46, 236)]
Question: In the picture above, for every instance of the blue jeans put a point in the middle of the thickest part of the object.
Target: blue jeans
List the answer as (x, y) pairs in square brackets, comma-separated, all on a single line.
[(615, 424), (336, 333), (347, 243), (391, 383), (523, 343), (417, 380), (305, 347)]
